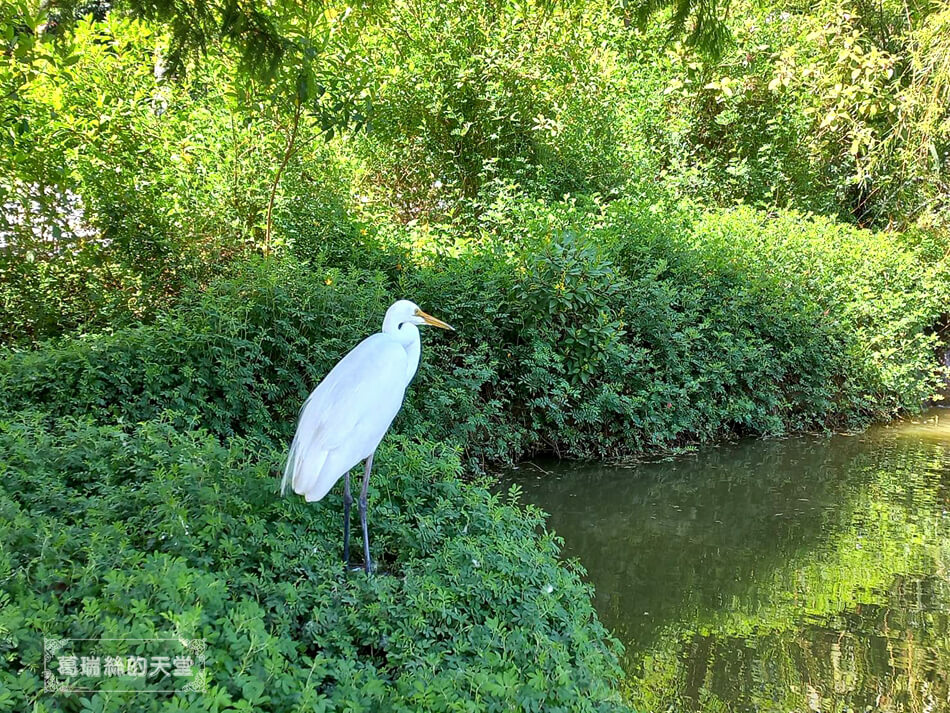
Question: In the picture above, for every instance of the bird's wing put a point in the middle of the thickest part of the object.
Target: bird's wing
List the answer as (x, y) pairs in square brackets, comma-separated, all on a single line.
[(346, 416)]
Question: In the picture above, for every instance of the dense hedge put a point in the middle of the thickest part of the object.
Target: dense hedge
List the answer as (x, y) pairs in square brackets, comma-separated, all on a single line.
[(155, 531), (631, 331)]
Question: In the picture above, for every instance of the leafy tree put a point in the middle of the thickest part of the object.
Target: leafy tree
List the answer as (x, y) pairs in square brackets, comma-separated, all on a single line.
[(701, 22)]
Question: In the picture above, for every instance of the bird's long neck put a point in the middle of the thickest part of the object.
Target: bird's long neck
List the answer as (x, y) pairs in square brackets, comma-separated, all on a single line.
[(408, 336)]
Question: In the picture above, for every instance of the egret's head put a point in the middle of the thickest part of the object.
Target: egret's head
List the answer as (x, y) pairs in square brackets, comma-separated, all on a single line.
[(406, 312)]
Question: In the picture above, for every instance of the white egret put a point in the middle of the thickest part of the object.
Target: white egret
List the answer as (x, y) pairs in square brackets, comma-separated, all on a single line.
[(342, 422)]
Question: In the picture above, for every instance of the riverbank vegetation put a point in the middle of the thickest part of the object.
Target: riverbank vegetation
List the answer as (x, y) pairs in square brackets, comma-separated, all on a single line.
[(644, 242)]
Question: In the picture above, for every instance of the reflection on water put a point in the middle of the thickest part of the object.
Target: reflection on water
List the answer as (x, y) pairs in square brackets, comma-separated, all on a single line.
[(803, 574)]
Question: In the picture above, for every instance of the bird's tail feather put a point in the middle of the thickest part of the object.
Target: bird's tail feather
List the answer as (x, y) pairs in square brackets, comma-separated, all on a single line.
[(306, 479), (303, 469), (293, 464)]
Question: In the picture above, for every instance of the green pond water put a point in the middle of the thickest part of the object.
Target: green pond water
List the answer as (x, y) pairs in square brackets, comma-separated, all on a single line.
[(803, 574)]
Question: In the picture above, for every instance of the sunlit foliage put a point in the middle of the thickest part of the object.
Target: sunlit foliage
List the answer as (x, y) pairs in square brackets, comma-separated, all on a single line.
[(645, 245)]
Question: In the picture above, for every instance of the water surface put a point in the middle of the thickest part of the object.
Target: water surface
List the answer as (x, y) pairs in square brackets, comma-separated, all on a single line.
[(804, 574)]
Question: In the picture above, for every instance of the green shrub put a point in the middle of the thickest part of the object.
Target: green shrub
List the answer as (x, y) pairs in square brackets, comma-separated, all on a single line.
[(636, 331), (122, 189), (471, 96), (158, 531), (653, 327), (715, 131), (877, 295), (242, 357), (836, 108)]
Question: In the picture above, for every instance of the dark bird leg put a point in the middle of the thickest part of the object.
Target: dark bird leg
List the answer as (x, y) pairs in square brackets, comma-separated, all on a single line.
[(369, 465), (347, 501)]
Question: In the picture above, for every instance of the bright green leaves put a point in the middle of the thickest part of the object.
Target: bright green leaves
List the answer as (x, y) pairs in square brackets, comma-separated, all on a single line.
[(571, 295), (260, 578), (470, 99)]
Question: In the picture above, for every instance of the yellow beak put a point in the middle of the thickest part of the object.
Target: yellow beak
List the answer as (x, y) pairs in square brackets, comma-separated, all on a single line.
[(429, 319)]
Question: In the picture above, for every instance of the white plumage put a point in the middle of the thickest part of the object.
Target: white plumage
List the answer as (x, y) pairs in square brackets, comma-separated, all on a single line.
[(347, 415)]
